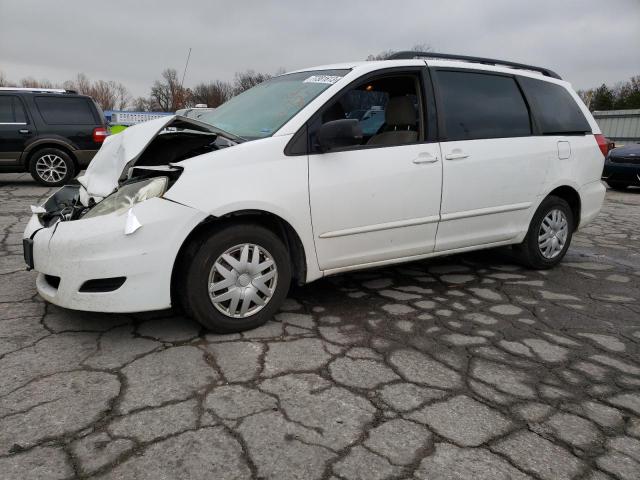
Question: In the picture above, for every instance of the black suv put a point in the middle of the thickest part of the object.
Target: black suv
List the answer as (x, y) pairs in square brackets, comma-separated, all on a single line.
[(51, 133)]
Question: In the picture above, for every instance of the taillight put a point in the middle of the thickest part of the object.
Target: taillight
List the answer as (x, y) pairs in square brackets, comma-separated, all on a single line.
[(603, 143), (99, 134)]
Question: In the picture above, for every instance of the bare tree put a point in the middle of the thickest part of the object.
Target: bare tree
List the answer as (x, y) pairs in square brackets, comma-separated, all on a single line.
[(213, 93), (80, 84), (585, 96), (123, 97), (168, 94), (4, 82), (142, 104), (30, 82), (104, 93), (418, 47), (248, 79), (108, 94)]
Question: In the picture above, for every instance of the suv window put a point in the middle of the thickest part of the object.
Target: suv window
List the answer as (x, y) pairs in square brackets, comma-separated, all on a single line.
[(555, 109), (65, 111), (11, 110), (479, 105), (387, 109)]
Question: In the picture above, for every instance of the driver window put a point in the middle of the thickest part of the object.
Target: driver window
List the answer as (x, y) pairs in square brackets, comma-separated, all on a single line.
[(387, 109)]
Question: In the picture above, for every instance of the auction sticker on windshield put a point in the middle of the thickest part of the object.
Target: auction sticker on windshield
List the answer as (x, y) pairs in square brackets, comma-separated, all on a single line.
[(330, 79)]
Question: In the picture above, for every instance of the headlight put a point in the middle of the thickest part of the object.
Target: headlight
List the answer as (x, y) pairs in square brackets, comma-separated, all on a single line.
[(127, 196)]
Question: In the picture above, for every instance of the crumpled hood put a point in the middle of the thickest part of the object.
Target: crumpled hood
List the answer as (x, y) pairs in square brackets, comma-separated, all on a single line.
[(117, 151), (121, 151)]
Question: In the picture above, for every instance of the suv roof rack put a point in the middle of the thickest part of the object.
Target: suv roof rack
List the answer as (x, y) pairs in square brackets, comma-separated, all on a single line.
[(37, 90), (405, 55)]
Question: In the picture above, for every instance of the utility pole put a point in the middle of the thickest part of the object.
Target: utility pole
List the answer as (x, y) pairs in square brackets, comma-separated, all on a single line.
[(185, 68)]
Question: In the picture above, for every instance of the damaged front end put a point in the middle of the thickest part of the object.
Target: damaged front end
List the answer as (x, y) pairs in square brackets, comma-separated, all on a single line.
[(108, 242), (135, 165), (130, 168)]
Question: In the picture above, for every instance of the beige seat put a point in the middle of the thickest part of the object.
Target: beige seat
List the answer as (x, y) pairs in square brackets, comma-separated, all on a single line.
[(401, 122)]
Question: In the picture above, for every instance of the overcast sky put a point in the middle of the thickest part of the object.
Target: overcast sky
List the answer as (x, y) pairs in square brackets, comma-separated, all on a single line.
[(586, 41)]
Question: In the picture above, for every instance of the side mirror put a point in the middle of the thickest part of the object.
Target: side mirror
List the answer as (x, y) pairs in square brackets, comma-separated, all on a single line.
[(339, 134)]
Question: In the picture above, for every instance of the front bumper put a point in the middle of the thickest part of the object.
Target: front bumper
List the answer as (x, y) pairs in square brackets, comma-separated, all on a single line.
[(97, 248), (622, 173)]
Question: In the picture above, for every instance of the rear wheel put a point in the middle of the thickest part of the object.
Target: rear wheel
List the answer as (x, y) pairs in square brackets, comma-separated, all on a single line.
[(51, 167), (618, 185), (237, 279), (549, 234)]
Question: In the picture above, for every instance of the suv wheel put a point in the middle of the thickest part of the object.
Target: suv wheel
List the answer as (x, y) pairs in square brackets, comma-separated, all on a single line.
[(549, 234), (51, 167), (237, 279)]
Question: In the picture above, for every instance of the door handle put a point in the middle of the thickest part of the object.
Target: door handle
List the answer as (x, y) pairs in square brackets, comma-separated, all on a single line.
[(24, 130), (425, 157), (456, 155)]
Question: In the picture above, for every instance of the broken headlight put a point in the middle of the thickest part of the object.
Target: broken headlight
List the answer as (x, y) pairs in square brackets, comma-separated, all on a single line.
[(128, 195)]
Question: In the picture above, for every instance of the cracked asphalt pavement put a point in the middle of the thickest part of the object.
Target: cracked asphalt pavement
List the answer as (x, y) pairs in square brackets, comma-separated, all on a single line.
[(465, 367)]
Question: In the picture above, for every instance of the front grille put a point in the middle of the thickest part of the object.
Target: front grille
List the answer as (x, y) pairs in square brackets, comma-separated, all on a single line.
[(627, 160), (53, 281), (101, 285)]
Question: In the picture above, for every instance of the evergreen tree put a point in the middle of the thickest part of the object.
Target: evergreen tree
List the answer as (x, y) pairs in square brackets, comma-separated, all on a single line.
[(603, 98)]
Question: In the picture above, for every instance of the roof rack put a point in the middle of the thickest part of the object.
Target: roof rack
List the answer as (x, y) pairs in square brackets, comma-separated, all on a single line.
[(37, 90), (405, 55)]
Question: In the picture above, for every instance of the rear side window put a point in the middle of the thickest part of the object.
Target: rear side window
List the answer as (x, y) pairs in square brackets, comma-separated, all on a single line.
[(65, 111), (478, 105), (11, 110), (555, 109)]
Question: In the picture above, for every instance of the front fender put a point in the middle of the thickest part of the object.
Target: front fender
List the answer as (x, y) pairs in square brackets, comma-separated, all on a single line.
[(256, 176)]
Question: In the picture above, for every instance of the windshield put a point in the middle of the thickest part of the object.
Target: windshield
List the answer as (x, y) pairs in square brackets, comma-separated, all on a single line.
[(262, 110)]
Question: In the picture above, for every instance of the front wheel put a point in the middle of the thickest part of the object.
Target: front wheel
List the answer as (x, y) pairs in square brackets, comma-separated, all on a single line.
[(238, 278), (549, 234)]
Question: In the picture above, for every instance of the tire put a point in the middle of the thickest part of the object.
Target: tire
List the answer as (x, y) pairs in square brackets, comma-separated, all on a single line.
[(618, 186), (223, 316), (51, 167), (530, 251)]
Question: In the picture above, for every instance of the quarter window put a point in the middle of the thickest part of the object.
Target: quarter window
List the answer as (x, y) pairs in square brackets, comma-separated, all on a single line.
[(478, 105), (65, 111), (555, 109)]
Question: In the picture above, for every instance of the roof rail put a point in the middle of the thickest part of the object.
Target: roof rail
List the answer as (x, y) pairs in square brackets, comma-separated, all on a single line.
[(37, 90), (405, 55)]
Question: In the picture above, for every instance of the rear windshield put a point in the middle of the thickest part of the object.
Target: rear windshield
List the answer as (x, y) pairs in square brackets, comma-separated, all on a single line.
[(65, 111), (262, 110), (555, 109)]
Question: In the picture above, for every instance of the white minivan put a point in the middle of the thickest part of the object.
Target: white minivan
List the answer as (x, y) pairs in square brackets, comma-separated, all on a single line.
[(290, 181)]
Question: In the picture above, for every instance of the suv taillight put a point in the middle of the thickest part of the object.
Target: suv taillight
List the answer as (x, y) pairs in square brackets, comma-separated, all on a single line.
[(99, 134), (603, 143)]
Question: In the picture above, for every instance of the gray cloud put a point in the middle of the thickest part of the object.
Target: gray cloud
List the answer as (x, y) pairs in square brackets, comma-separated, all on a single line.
[(587, 41)]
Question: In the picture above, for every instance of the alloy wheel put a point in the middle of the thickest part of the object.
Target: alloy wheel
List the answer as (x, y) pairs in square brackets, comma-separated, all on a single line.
[(51, 168)]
